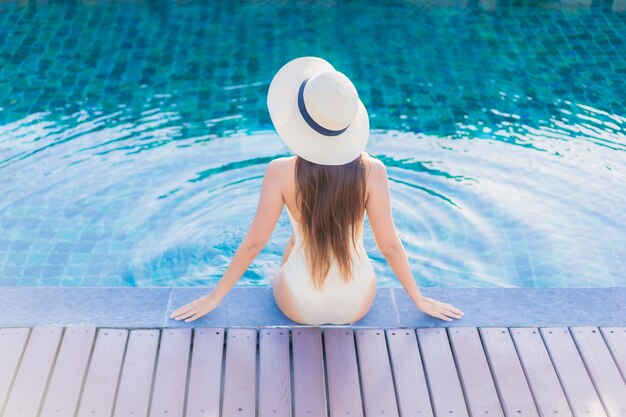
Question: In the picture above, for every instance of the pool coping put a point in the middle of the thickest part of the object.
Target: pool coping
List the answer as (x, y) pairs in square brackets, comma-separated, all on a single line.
[(149, 307)]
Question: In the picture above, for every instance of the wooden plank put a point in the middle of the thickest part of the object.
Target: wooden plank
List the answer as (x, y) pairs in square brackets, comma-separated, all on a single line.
[(476, 380), (602, 368), (309, 386), (34, 371), (615, 338), (575, 380), (133, 398), (101, 382), (410, 380), (69, 372), (344, 393), (240, 373), (441, 374), (379, 397), (12, 345), (542, 377), (170, 380), (274, 373), (205, 375)]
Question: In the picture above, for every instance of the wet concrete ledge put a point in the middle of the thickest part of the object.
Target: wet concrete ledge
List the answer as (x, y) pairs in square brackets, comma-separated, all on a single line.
[(131, 307)]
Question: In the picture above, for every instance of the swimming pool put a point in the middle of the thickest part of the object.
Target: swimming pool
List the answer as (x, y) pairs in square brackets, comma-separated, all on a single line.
[(134, 137)]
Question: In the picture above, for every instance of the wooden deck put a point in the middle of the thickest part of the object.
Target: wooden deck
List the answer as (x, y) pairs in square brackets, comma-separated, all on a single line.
[(86, 371)]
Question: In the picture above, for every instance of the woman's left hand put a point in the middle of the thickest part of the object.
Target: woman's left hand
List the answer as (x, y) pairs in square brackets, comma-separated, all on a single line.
[(196, 308)]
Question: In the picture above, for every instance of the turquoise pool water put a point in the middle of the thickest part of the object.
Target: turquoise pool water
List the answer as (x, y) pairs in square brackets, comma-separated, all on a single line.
[(134, 137)]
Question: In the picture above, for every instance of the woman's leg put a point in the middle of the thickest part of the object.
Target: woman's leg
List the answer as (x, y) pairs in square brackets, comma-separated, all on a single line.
[(284, 297)]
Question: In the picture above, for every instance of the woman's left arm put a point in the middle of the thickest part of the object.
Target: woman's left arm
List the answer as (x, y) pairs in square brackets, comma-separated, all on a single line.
[(268, 212)]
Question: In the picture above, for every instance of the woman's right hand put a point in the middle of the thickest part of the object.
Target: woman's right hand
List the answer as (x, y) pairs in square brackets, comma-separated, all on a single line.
[(197, 308), (438, 309)]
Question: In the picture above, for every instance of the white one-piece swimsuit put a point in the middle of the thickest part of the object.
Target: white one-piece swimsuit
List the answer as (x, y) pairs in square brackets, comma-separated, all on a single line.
[(338, 301)]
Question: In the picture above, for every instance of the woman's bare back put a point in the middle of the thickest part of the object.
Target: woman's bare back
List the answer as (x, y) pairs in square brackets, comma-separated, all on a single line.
[(289, 186)]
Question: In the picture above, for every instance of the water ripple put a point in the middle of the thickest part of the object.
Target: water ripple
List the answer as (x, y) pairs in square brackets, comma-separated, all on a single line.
[(121, 193)]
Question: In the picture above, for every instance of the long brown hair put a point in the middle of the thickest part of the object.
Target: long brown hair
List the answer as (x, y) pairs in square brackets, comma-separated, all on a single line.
[(331, 200)]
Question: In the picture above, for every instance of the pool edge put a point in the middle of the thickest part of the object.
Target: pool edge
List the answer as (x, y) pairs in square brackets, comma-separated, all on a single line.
[(140, 307)]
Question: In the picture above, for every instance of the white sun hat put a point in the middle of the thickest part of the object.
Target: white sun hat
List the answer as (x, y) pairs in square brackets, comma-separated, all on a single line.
[(317, 112)]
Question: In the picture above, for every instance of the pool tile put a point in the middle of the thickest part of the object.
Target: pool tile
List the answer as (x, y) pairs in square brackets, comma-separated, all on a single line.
[(619, 296), (519, 306), (255, 306), (100, 306)]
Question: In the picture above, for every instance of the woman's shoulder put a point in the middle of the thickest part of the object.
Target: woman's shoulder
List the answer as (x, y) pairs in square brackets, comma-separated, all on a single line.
[(281, 164), (283, 160), (371, 159), (376, 167)]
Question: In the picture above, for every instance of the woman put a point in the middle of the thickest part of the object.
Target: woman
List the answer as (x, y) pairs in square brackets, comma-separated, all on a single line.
[(329, 185)]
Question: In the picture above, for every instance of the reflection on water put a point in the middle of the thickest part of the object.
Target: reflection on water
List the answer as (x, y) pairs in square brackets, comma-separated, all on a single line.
[(140, 162)]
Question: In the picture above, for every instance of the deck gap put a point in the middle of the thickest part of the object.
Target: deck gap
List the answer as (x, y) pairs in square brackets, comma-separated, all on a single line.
[(257, 367), (84, 379), (591, 377), (558, 374), (458, 369), (358, 370), (119, 374), (326, 392), (154, 368), (29, 330), (391, 368), (424, 367), (49, 376), (523, 366), (223, 371), (186, 395), (491, 370), (606, 342), (291, 373)]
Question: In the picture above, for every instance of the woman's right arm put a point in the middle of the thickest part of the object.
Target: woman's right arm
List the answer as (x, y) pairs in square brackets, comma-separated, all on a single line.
[(378, 208)]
